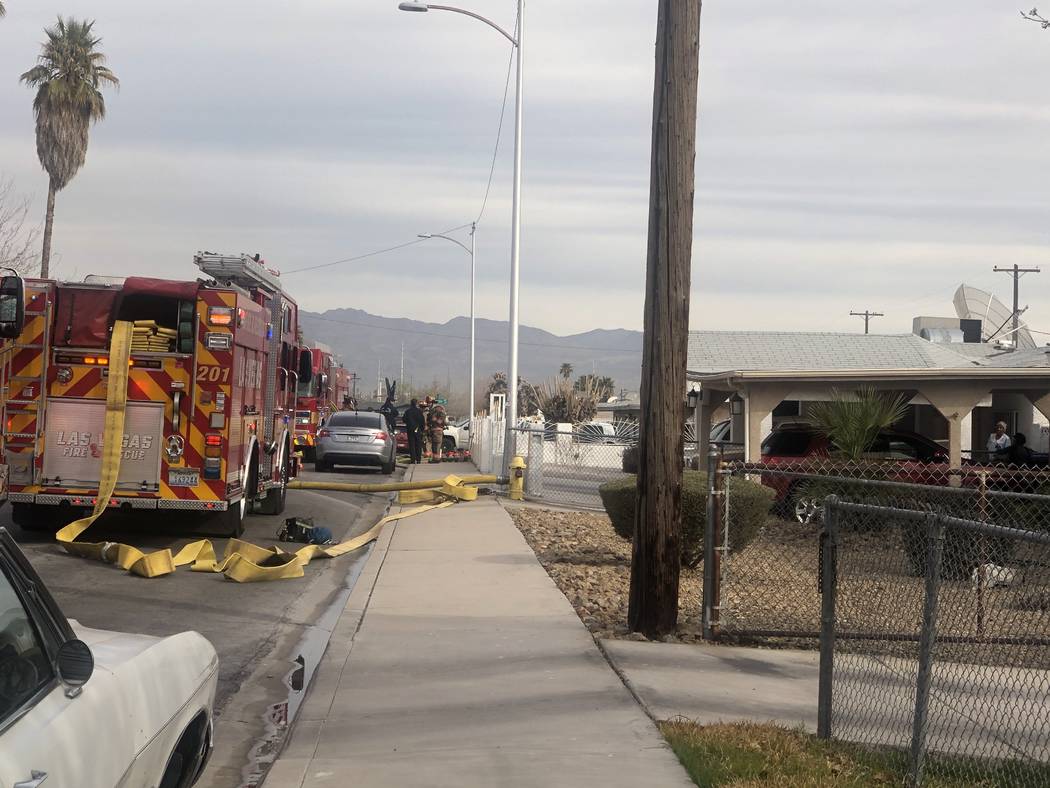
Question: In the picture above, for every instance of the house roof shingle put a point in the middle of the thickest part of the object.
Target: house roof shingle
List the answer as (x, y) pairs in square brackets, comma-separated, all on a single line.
[(725, 351)]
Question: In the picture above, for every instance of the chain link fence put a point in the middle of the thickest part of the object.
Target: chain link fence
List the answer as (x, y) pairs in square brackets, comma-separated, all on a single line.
[(939, 649), (768, 579), (565, 465)]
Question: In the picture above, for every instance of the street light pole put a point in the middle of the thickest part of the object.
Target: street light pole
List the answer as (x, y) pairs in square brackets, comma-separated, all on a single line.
[(473, 259), (470, 251), (515, 235)]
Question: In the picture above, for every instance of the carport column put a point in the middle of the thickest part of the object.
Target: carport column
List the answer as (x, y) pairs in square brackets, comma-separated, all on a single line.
[(954, 401), (1041, 400), (709, 402), (759, 401)]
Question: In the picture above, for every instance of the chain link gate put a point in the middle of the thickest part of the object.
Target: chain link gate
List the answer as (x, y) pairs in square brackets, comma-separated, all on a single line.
[(958, 680)]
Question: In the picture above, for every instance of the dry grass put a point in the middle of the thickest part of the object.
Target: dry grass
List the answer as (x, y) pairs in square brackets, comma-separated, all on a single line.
[(749, 755)]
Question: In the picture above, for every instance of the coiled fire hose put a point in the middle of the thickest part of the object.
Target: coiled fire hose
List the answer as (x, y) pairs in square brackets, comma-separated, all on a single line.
[(242, 561)]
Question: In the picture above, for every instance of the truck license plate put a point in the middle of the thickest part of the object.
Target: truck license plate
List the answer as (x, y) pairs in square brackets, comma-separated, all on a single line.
[(183, 478)]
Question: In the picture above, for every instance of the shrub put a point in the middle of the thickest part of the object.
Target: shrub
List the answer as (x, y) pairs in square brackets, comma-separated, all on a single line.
[(629, 463), (750, 506)]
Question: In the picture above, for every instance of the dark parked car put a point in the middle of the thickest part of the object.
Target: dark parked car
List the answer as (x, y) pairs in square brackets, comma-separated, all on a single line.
[(910, 454)]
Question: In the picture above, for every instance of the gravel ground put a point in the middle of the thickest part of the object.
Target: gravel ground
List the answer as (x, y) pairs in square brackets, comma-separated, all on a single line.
[(592, 567), (772, 585)]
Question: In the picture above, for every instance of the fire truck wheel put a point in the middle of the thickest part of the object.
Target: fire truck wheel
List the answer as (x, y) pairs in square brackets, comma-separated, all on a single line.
[(34, 517), (233, 518), (273, 503)]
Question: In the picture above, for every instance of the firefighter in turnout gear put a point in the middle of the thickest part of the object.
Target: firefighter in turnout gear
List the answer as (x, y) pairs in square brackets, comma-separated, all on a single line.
[(436, 421)]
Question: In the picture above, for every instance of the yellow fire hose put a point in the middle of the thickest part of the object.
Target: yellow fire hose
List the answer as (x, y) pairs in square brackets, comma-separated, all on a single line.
[(242, 561), (387, 486)]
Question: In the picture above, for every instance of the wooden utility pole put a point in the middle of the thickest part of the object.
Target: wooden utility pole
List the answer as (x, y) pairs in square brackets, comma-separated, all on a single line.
[(1016, 272), (655, 560), (867, 316)]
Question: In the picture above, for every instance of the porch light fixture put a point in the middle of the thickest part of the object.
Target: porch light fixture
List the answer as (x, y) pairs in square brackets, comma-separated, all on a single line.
[(736, 406), (693, 397)]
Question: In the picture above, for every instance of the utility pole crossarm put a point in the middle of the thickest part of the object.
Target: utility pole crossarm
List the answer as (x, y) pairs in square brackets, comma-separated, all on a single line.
[(1016, 272), (867, 317)]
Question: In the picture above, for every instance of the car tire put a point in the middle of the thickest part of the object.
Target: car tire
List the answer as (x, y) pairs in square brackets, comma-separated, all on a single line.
[(388, 467), (321, 466), (802, 508), (187, 759)]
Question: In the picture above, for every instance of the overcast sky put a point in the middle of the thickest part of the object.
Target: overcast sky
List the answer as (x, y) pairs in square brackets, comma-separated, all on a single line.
[(850, 155)]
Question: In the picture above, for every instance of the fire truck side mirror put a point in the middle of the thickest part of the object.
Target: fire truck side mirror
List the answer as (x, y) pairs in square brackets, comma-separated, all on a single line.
[(12, 306)]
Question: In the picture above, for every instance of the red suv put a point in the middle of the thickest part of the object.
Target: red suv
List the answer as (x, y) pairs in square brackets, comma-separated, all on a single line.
[(909, 454)]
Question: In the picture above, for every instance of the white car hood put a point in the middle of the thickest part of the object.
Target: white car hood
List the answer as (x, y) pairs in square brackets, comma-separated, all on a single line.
[(151, 678)]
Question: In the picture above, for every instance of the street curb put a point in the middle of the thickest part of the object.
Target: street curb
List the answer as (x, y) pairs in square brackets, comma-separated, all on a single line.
[(300, 743)]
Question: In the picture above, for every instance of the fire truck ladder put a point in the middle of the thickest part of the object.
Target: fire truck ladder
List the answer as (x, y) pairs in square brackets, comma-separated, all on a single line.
[(15, 385)]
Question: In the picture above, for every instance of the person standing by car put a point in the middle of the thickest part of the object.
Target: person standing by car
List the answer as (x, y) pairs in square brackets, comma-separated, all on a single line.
[(436, 421), (414, 426), (389, 411), (998, 441)]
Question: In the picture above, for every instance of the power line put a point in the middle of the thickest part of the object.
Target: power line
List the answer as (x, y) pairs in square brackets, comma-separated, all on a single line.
[(370, 254), (484, 202), (457, 336), (499, 128)]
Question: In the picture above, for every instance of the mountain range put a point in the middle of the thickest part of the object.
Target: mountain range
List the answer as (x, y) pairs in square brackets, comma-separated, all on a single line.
[(371, 346)]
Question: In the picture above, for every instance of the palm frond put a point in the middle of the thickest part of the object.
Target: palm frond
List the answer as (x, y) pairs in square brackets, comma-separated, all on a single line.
[(852, 422), (68, 77)]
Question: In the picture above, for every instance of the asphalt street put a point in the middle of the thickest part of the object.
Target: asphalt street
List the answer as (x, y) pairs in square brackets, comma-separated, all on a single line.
[(256, 628)]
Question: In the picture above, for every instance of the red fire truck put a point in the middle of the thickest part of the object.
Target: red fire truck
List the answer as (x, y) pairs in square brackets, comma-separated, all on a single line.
[(316, 399), (211, 392)]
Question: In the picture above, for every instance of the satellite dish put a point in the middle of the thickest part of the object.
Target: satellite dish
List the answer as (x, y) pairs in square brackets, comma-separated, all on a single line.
[(996, 317)]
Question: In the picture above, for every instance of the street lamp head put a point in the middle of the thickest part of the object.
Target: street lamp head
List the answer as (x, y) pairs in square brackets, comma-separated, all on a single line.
[(411, 6), (424, 235)]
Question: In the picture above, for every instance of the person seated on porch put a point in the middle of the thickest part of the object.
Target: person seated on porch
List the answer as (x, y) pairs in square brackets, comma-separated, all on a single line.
[(998, 441), (1019, 453)]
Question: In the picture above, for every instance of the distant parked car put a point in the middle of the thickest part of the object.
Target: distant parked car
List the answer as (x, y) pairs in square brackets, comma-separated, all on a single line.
[(351, 437), (86, 708), (597, 432)]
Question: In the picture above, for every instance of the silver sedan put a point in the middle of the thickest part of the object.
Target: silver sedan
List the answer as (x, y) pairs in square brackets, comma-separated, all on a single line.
[(351, 437)]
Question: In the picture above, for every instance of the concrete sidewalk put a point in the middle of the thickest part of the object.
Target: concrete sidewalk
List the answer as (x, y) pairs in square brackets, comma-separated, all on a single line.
[(457, 662)]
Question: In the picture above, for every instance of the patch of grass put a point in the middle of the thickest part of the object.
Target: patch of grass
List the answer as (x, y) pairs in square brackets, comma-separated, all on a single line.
[(749, 755)]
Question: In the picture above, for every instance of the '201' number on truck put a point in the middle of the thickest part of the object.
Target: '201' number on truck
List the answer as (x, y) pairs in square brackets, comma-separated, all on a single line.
[(210, 374)]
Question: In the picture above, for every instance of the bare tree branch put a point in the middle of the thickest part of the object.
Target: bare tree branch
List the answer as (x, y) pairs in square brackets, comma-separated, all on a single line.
[(1033, 16), (18, 240)]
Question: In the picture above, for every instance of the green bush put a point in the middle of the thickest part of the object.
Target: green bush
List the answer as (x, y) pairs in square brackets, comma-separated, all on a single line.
[(963, 549), (750, 508), (629, 463)]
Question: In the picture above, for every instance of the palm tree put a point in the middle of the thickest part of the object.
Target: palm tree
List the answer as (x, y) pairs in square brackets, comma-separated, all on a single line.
[(566, 370), (852, 423), (69, 76)]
